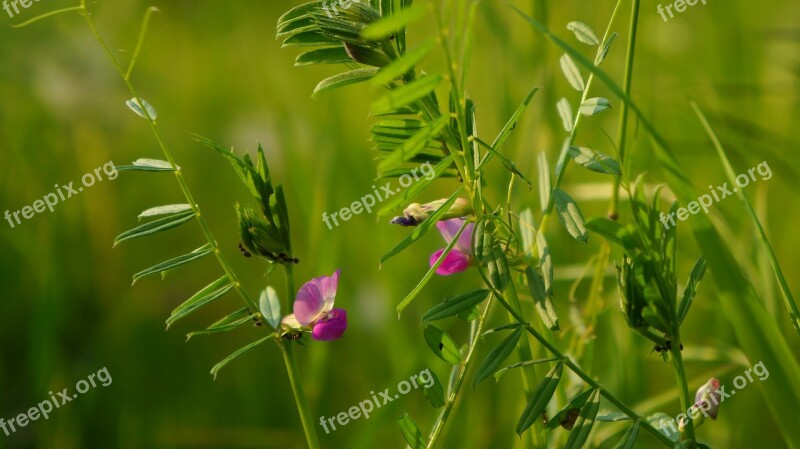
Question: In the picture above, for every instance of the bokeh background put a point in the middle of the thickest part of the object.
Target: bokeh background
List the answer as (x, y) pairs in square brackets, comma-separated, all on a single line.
[(215, 68)]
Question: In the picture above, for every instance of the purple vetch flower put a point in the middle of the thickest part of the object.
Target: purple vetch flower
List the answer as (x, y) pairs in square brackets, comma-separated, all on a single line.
[(460, 257), (313, 309)]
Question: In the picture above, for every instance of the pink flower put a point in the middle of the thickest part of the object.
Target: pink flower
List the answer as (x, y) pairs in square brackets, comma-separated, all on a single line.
[(460, 258), (313, 309), (708, 399)]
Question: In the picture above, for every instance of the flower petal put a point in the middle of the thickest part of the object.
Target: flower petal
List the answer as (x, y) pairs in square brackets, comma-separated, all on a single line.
[(291, 321), (328, 286), (331, 327), (449, 228), (308, 306), (464, 243), (455, 262)]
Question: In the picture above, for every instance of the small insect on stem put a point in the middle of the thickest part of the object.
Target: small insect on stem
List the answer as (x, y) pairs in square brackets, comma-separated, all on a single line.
[(244, 251)]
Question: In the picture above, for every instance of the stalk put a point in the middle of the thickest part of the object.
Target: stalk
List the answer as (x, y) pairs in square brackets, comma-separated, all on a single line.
[(683, 389)]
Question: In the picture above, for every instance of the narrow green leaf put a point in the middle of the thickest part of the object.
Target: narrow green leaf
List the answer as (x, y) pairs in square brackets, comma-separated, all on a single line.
[(565, 417), (423, 228), (542, 299), (453, 306), (613, 232), (140, 109), (602, 52), (414, 145), (215, 370), (225, 324), (442, 344), (148, 165), (418, 187), (595, 161), (497, 356), (388, 26), (584, 33), (540, 398), (527, 231), (406, 94), (545, 262), (404, 64), (502, 136), (570, 215), (580, 433), (205, 296), (333, 55), (310, 39), (523, 364), (164, 210), (565, 111), (299, 12), (155, 226), (270, 307), (544, 180), (345, 79), (594, 106), (435, 392), (572, 73), (175, 262), (629, 438), (690, 291), (411, 432)]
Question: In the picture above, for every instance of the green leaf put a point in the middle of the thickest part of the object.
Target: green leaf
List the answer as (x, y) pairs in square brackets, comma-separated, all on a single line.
[(435, 393), (629, 438), (562, 418), (572, 73), (602, 52), (442, 344), (406, 94), (423, 228), (594, 106), (544, 180), (613, 417), (496, 356), (527, 231), (404, 64), (580, 433), (215, 370), (594, 161), (570, 215), (208, 294), (414, 145), (156, 226), (523, 364), (144, 164), (310, 39), (418, 187), (411, 432), (225, 324), (388, 26), (613, 232), (333, 55), (270, 307), (584, 33), (545, 262), (502, 136), (140, 109), (542, 299), (175, 262), (565, 111), (540, 398), (455, 305), (164, 210), (344, 79), (690, 291)]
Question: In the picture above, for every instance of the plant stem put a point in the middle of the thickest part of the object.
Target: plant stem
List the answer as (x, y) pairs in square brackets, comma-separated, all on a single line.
[(223, 262), (438, 426), (623, 115), (299, 394), (683, 387)]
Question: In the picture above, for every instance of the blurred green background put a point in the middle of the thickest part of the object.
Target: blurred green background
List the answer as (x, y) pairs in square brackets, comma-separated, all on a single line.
[(215, 68)]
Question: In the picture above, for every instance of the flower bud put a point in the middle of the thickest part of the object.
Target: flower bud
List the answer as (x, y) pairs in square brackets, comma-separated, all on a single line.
[(258, 236), (416, 213)]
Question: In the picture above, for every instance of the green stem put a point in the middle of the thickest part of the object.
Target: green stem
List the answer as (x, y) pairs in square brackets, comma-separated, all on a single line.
[(622, 134), (683, 388), (299, 394), (450, 402)]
